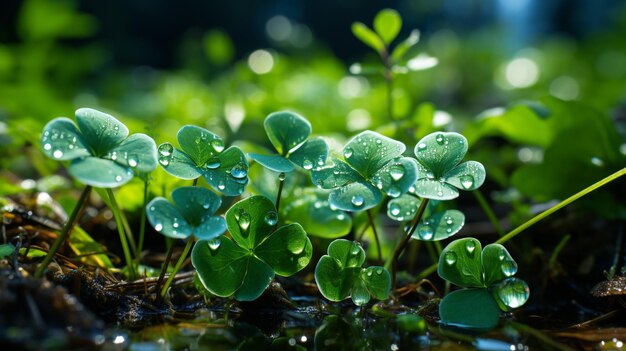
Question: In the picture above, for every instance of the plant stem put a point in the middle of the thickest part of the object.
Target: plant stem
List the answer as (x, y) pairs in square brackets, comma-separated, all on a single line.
[(120, 229), (179, 263), (64, 232), (166, 263), (388, 74), (488, 211), (370, 218), (405, 242), (560, 205), (142, 223), (281, 182)]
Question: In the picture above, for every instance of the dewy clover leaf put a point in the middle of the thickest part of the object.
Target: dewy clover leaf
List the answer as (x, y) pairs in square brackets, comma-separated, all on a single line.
[(339, 274), (288, 133), (440, 174), (102, 153), (487, 276), (244, 265), (373, 165), (203, 155), (190, 213)]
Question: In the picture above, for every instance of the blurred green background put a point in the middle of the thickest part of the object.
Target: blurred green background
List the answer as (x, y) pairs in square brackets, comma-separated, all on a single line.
[(538, 87)]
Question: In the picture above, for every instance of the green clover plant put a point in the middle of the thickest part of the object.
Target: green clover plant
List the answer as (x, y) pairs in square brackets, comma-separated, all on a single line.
[(102, 154), (486, 277), (244, 264), (203, 155), (339, 275), (188, 216)]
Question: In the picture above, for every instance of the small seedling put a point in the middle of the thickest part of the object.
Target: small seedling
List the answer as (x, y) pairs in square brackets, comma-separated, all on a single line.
[(102, 155), (288, 132), (487, 278), (203, 155), (244, 265), (188, 216), (339, 275)]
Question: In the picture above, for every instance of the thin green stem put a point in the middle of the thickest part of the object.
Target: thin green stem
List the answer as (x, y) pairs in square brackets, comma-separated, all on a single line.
[(281, 183), (428, 271), (179, 263), (67, 228), (488, 211), (513, 233), (120, 229), (142, 223), (405, 242), (388, 75), (166, 263), (370, 219), (129, 234)]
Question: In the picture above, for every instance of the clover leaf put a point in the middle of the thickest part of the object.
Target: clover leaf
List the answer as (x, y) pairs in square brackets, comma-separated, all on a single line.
[(190, 213), (288, 133), (339, 275), (244, 265), (203, 155), (487, 276), (373, 165), (102, 153), (440, 174)]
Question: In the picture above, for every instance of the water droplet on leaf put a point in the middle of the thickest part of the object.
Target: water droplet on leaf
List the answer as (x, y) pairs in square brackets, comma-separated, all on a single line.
[(238, 171), (158, 227), (394, 209), (439, 139), (47, 146), (467, 181), (513, 292), (357, 200), (509, 268), (425, 232), (394, 191), (244, 221), (307, 164), (166, 149), (396, 172), (215, 243), (421, 146), (57, 154), (281, 176), (470, 246), (347, 152), (217, 145), (450, 258), (213, 163), (271, 218)]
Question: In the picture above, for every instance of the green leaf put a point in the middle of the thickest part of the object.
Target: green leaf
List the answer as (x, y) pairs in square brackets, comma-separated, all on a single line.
[(287, 250), (167, 219), (358, 196), (138, 151), (334, 281), (100, 172), (468, 175), (401, 49), (62, 141), (396, 177), (347, 253), (369, 151), (221, 268), (368, 37), (387, 24), (199, 144), (497, 264), (312, 154), (258, 277), (313, 211), (276, 163), (469, 308), (403, 208), (6, 250), (101, 131), (231, 175), (337, 175), (359, 294), (286, 130), (247, 222), (460, 263), (196, 203), (440, 226), (440, 152), (177, 163), (434, 189), (378, 281)]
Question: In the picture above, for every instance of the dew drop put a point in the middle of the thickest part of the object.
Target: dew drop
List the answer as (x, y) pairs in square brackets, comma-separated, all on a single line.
[(158, 227), (132, 161), (281, 176), (307, 164), (355, 249), (217, 145), (470, 246), (347, 152), (513, 292), (439, 139), (47, 146), (509, 268), (396, 172), (502, 254), (597, 161), (394, 191), (394, 209), (213, 163), (379, 270), (271, 218), (166, 149), (221, 185), (425, 232), (215, 243), (357, 200), (244, 221), (57, 154), (467, 181), (421, 146), (449, 221), (450, 258), (152, 208), (238, 171), (341, 216), (369, 272), (118, 178)]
